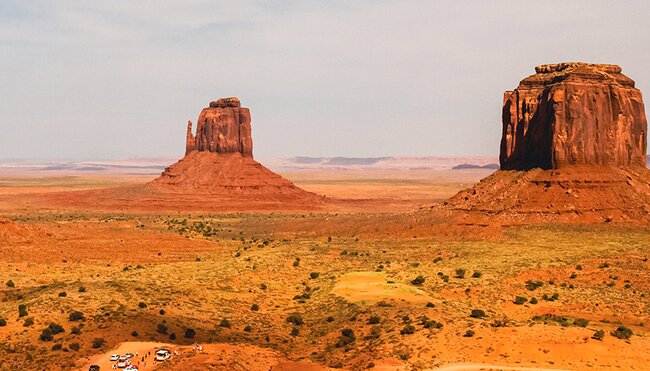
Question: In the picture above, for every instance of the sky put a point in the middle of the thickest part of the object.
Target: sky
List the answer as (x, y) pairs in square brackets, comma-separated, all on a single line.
[(119, 79)]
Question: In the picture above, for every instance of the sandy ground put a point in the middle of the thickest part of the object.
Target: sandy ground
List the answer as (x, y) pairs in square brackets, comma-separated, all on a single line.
[(237, 278)]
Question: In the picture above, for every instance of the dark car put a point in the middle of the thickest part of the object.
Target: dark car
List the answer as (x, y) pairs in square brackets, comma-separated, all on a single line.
[(93, 368)]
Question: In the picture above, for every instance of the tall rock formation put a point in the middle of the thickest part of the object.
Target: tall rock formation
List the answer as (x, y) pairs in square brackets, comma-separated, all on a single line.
[(573, 150), (573, 114), (219, 168), (223, 127)]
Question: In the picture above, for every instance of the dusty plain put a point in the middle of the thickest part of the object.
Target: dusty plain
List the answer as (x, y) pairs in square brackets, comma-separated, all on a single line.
[(361, 283)]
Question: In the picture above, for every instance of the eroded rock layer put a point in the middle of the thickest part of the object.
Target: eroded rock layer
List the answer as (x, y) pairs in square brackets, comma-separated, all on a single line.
[(573, 114), (223, 127)]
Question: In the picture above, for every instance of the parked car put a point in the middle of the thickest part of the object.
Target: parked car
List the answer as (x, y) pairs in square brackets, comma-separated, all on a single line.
[(123, 363), (131, 368), (162, 355), (128, 355), (93, 368), (115, 357)]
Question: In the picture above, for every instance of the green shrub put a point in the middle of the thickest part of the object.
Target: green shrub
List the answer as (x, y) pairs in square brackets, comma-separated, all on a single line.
[(295, 331), (3, 322), (519, 300), (57, 346), (622, 332), (97, 342), (533, 285), (74, 346), (477, 313), (469, 334), (161, 312), (225, 323), (75, 316), (10, 283), (533, 300), (134, 334), (580, 322), (598, 335), (161, 328), (296, 262), (56, 328), (142, 305), (82, 289), (407, 330), (314, 275), (22, 310), (190, 333), (75, 331), (63, 294), (295, 318), (329, 319), (418, 280), (460, 273), (46, 335), (347, 337), (374, 320), (477, 274), (255, 307), (248, 328), (28, 322), (172, 336), (437, 259)]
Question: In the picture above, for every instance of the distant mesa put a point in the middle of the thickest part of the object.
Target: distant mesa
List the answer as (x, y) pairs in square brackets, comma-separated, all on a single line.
[(573, 149), (573, 114), (475, 166), (219, 163)]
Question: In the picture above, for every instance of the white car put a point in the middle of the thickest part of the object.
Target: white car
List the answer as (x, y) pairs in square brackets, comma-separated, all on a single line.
[(115, 357), (162, 355), (131, 368), (123, 364)]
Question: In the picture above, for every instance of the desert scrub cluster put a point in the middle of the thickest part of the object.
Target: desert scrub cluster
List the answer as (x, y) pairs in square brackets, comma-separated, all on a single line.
[(200, 228), (561, 320)]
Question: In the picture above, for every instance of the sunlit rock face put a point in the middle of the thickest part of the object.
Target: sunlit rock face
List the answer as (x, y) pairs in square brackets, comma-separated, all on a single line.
[(573, 114), (223, 127)]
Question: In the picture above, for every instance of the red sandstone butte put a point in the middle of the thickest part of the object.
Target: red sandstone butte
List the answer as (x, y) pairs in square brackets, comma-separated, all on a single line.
[(573, 151), (573, 114), (219, 164), (223, 127)]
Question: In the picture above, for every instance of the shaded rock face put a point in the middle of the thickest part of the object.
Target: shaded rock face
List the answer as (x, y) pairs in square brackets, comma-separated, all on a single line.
[(223, 127), (573, 114)]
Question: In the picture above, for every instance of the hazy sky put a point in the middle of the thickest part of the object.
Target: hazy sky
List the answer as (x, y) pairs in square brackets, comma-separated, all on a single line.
[(117, 79)]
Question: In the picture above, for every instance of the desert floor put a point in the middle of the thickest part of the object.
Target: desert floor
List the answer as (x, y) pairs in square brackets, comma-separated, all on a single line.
[(362, 285)]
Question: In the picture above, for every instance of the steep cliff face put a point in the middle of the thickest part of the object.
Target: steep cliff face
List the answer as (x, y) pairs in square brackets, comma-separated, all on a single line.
[(223, 127), (573, 114), (573, 150)]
